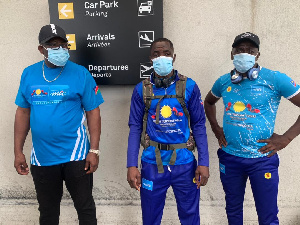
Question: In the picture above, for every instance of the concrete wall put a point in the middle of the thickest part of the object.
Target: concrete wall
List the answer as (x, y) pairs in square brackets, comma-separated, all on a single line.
[(202, 32)]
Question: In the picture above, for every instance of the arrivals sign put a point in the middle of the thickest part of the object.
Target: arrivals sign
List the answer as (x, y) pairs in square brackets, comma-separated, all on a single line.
[(110, 38)]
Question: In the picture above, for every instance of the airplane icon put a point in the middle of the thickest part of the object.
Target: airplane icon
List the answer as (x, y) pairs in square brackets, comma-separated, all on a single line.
[(145, 38), (145, 68)]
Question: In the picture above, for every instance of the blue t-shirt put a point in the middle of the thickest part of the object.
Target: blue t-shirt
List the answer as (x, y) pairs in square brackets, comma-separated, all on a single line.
[(57, 111), (173, 125), (250, 109)]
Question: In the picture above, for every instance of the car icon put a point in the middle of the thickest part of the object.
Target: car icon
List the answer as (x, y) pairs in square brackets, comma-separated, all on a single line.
[(144, 7)]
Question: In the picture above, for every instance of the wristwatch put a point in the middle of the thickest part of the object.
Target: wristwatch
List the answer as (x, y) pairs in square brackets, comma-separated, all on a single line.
[(96, 151)]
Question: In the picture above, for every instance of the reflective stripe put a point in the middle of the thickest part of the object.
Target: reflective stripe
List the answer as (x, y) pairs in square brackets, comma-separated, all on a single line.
[(82, 142), (78, 139), (34, 158)]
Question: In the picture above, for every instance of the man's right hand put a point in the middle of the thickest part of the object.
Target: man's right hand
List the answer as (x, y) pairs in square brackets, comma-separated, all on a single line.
[(21, 165), (219, 133), (134, 177)]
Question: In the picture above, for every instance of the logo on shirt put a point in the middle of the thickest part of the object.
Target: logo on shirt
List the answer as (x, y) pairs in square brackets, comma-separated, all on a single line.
[(48, 94), (268, 175), (97, 90), (166, 112), (229, 89), (228, 106), (239, 106), (38, 92), (57, 93), (249, 107), (293, 83)]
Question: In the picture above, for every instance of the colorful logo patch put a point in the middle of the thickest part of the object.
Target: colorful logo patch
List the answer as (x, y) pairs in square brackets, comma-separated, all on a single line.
[(166, 111), (268, 175), (58, 93), (249, 107), (45, 95), (38, 92), (229, 89), (176, 112), (97, 90), (147, 184), (293, 83), (222, 168), (228, 106), (239, 106)]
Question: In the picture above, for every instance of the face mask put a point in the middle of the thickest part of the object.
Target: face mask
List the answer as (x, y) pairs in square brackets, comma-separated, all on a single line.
[(163, 65), (243, 62), (58, 57)]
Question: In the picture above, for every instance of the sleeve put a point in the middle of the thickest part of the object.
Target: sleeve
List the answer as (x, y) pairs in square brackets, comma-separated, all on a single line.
[(20, 98), (197, 121), (216, 89), (91, 97), (286, 86), (136, 127)]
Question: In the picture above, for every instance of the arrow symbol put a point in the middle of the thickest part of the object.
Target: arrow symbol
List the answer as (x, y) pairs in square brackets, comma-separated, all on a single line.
[(64, 10)]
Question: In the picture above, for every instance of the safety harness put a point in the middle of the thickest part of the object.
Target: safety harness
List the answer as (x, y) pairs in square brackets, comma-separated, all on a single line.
[(148, 96)]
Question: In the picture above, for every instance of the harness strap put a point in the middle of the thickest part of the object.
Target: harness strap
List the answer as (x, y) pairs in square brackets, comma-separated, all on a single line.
[(158, 146), (180, 95), (147, 97), (147, 94), (157, 109), (159, 163)]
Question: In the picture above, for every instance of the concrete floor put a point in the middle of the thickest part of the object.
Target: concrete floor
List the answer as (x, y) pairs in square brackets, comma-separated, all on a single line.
[(25, 212)]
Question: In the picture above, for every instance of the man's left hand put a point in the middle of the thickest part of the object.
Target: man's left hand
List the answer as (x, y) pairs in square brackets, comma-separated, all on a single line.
[(91, 163), (275, 143), (201, 176)]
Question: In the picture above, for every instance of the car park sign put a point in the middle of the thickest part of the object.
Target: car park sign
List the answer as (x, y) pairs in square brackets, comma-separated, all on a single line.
[(110, 38)]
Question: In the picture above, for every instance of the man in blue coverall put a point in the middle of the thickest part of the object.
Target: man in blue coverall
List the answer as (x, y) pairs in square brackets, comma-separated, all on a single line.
[(52, 98), (248, 145), (166, 161)]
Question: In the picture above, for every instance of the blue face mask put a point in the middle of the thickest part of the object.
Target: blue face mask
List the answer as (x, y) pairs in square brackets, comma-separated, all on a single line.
[(243, 62), (163, 65), (58, 56)]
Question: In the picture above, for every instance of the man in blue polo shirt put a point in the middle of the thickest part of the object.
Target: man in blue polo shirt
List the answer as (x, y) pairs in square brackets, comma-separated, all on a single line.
[(248, 145), (162, 109), (52, 98)]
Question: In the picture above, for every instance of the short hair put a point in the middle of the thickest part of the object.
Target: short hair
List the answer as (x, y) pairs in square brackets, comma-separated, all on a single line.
[(162, 40)]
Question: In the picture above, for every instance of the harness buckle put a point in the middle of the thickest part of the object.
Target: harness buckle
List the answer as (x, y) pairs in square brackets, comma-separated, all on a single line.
[(163, 146)]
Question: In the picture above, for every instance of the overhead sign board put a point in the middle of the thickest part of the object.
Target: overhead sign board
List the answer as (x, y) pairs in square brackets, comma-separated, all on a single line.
[(110, 38)]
